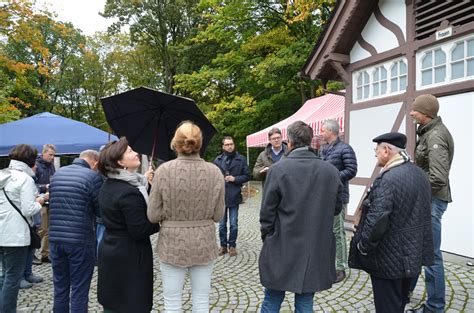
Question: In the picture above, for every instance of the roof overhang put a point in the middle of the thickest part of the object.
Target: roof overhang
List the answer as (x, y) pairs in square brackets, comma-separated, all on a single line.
[(332, 50)]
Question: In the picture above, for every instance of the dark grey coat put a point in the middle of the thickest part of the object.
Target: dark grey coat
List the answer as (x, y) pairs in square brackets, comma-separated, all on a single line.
[(301, 196)]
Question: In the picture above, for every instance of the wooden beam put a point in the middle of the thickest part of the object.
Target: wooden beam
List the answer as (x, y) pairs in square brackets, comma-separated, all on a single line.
[(346, 77), (339, 57)]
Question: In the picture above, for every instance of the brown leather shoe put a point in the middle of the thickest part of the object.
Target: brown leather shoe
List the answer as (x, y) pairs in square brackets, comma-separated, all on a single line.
[(222, 251), (232, 251)]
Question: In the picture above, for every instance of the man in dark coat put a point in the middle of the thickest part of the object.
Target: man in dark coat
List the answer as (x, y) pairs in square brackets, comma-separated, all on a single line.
[(73, 207), (236, 172), (273, 153), (343, 157), (301, 196), (394, 239), (44, 171)]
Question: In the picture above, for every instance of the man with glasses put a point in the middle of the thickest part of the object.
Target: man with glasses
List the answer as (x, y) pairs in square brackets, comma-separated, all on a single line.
[(393, 238), (236, 172), (273, 153)]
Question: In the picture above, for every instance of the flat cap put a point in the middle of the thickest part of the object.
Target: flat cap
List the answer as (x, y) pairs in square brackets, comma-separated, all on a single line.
[(397, 139)]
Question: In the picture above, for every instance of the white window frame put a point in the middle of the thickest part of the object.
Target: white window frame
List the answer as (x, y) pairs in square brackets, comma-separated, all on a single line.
[(447, 48), (362, 85), (464, 59), (434, 66), (378, 83), (370, 72), (398, 76)]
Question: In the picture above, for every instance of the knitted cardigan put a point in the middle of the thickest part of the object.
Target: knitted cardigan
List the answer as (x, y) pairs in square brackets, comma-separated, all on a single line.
[(187, 197)]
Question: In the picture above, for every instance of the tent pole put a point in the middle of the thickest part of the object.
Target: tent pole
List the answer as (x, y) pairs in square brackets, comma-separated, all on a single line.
[(249, 198)]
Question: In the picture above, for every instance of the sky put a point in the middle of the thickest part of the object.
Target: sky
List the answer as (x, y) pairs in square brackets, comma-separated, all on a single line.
[(84, 14)]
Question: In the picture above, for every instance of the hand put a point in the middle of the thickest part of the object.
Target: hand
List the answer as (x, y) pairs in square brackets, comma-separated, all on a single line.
[(264, 170), (46, 196), (40, 200), (150, 174), (229, 178)]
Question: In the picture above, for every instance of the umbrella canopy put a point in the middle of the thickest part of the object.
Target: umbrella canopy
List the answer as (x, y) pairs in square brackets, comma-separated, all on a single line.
[(148, 119), (69, 136)]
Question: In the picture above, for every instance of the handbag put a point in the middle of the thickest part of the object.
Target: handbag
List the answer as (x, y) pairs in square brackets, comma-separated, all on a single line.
[(35, 239)]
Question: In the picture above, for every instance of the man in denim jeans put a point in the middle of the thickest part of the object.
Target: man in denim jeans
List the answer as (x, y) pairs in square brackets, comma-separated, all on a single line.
[(434, 154), (236, 172)]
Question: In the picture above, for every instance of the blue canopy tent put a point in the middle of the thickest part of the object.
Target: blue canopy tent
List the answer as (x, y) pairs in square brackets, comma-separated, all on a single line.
[(69, 136)]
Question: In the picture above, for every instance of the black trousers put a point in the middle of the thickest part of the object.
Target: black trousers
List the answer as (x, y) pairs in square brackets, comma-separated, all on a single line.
[(390, 295)]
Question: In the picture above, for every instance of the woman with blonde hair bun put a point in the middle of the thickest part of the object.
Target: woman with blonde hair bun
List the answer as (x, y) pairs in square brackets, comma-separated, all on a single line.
[(187, 199)]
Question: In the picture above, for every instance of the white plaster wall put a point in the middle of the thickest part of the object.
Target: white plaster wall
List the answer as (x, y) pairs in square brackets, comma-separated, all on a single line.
[(356, 192), (358, 53), (378, 36), (381, 121), (365, 125), (395, 11), (457, 112)]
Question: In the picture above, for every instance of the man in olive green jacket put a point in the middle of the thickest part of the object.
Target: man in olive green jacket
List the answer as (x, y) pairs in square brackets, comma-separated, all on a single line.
[(434, 154), (274, 151)]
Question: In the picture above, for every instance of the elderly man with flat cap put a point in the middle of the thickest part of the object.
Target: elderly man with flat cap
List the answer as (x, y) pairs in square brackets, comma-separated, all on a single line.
[(434, 154), (394, 239)]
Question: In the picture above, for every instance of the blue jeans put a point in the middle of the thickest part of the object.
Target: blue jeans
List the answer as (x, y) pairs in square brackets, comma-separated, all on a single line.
[(13, 266), (29, 263), (72, 274), (434, 274), (274, 298), (233, 213)]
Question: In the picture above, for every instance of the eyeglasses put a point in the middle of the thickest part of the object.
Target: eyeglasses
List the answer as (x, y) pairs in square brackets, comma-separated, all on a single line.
[(275, 138), (383, 146), (228, 144)]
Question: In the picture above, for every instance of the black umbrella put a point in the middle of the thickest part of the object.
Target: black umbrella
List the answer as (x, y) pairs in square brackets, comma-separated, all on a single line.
[(148, 119)]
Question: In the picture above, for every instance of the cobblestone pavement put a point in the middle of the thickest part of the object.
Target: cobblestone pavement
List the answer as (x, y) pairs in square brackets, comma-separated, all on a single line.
[(236, 286)]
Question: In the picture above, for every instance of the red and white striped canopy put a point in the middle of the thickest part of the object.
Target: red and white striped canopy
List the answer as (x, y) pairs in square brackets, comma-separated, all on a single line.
[(314, 112)]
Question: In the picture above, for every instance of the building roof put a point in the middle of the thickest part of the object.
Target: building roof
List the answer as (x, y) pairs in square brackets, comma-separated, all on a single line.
[(338, 38)]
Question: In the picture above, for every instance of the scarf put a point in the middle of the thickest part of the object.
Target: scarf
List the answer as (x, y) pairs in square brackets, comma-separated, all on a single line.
[(135, 179), (397, 159)]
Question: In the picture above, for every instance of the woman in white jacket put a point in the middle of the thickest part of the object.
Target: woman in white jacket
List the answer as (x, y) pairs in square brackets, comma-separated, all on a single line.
[(17, 182)]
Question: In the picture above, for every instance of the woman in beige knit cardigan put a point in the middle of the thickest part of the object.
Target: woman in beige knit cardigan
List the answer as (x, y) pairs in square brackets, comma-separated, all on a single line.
[(187, 198)]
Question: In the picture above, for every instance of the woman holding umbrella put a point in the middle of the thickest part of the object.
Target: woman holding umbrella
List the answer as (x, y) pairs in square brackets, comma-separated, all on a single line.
[(125, 279), (187, 198)]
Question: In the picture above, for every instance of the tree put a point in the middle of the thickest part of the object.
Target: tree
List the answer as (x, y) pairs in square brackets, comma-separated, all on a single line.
[(162, 25), (257, 49), (33, 54)]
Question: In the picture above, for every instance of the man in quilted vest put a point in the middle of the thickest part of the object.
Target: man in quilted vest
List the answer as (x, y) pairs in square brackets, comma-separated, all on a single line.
[(393, 238), (343, 157), (73, 207), (434, 154)]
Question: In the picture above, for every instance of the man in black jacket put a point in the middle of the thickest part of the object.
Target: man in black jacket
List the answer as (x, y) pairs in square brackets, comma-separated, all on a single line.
[(74, 205), (236, 172), (394, 238), (343, 157), (44, 171)]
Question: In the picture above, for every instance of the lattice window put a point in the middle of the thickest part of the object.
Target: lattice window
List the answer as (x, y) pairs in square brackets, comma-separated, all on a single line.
[(462, 59), (433, 67), (379, 81), (362, 85), (398, 76)]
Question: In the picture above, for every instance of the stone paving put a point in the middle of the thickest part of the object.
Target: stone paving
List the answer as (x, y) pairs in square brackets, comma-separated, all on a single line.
[(236, 286)]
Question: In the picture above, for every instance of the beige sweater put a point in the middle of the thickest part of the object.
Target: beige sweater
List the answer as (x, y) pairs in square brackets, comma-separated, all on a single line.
[(186, 198)]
